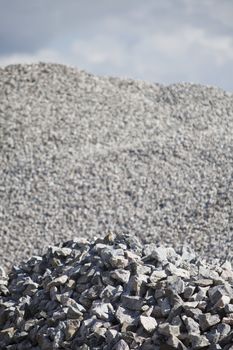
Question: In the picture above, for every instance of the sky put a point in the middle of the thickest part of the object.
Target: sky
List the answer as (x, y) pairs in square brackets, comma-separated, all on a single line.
[(162, 41)]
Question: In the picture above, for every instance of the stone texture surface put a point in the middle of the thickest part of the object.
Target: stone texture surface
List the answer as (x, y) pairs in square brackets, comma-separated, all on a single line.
[(70, 298), (87, 154)]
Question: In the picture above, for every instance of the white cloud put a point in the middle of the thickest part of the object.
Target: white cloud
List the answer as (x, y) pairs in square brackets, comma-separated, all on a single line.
[(99, 50), (218, 11), (163, 41), (45, 55), (189, 39), (180, 54)]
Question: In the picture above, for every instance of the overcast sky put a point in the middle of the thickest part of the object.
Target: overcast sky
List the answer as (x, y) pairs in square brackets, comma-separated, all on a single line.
[(163, 41)]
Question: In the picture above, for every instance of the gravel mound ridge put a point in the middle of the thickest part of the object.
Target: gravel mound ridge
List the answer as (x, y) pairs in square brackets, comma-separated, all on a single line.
[(88, 154), (115, 293)]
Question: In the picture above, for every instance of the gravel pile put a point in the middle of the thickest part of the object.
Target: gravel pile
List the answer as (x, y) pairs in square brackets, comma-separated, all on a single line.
[(87, 154), (115, 293)]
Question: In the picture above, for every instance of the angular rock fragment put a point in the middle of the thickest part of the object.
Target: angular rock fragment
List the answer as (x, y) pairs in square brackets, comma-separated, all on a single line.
[(207, 320), (121, 345), (132, 302), (148, 323), (175, 343), (191, 325), (199, 341), (103, 311), (120, 275), (188, 291), (229, 308), (228, 319), (125, 316), (168, 329)]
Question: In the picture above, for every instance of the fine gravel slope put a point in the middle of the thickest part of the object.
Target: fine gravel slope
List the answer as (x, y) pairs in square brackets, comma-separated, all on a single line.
[(81, 155)]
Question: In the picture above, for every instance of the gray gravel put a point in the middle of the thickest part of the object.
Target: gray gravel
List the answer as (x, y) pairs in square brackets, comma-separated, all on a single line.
[(115, 293), (81, 155)]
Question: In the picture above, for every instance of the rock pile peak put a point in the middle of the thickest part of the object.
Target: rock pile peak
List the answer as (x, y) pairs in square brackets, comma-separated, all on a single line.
[(115, 293)]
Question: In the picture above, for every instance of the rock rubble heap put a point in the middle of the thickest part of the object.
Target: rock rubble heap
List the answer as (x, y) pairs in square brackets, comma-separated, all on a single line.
[(94, 154), (115, 293)]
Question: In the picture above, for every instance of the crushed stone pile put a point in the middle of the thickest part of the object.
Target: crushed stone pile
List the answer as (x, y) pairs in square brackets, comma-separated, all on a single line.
[(115, 293), (88, 154)]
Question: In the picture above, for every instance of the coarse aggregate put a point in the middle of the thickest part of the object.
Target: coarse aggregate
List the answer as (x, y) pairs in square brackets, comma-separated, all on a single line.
[(114, 293), (82, 155)]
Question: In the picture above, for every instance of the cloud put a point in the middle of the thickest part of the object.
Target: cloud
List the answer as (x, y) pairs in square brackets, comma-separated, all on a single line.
[(44, 55), (27, 26), (164, 41), (188, 40), (182, 54), (219, 13)]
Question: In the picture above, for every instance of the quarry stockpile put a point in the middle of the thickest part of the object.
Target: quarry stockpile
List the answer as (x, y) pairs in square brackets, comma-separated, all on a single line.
[(82, 154), (114, 293)]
